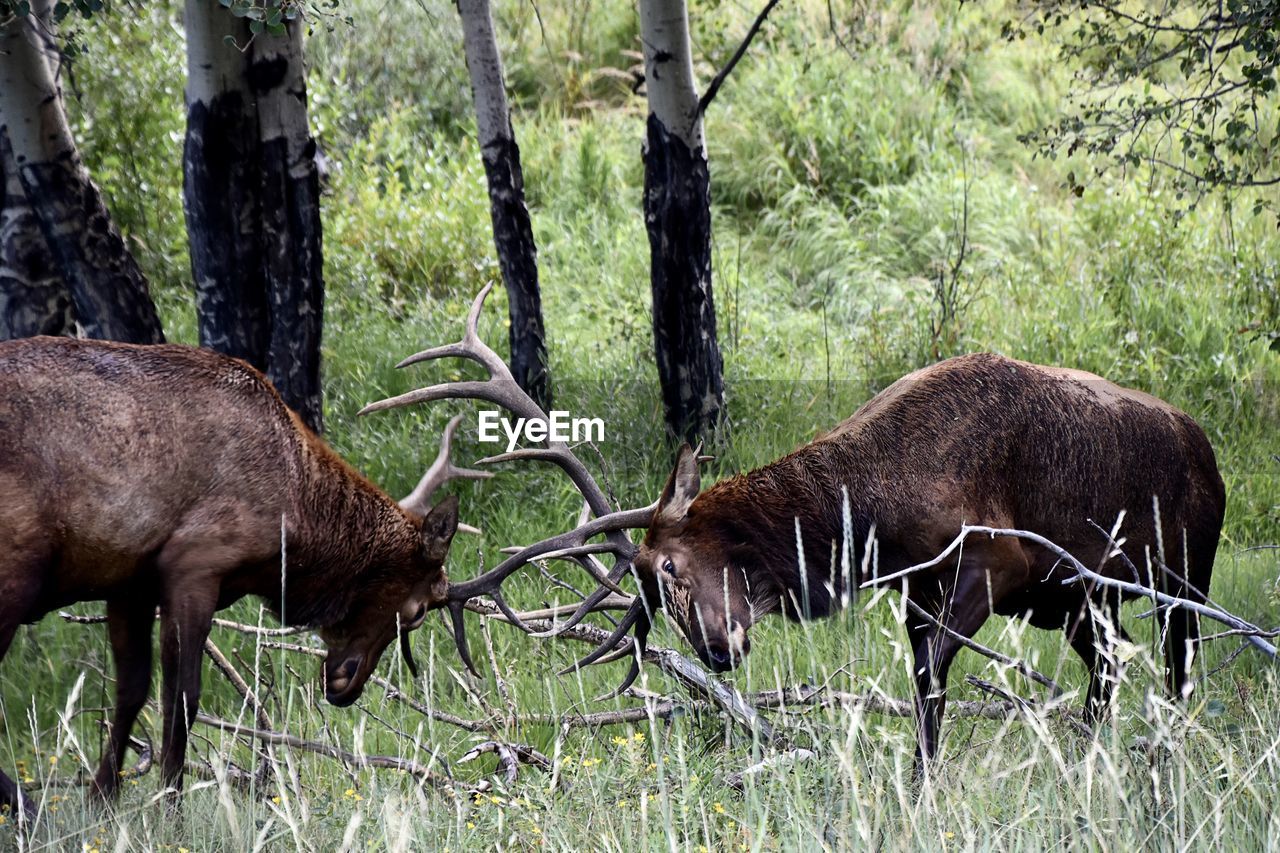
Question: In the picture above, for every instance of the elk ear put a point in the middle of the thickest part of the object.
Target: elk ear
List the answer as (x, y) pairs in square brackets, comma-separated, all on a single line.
[(438, 527), (682, 487)]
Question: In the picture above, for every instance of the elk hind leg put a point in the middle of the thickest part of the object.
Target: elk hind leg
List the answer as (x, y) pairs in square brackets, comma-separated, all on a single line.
[(129, 621)]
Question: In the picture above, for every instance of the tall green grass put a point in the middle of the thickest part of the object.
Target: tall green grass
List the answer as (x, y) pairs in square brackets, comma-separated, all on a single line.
[(839, 180)]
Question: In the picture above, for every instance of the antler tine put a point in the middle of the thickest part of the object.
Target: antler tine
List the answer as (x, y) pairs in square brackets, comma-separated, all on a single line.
[(629, 679), (442, 470), (633, 615), (559, 454), (503, 393), (470, 346), (616, 521)]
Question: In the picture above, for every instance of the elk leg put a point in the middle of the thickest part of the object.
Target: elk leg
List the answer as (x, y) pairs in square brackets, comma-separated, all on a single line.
[(186, 617), (10, 792), (967, 608), (129, 622), (1095, 646), (16, 599), (1182, 627)]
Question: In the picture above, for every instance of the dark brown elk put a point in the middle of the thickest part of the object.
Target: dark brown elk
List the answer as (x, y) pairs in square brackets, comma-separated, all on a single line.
[(169, 477), (977, 440)]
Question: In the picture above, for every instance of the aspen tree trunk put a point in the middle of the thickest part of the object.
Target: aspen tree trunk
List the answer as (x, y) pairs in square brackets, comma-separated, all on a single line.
[(106, 286), (33, 298), (291, 226), (677, 213), (512, 230), (220, 169)]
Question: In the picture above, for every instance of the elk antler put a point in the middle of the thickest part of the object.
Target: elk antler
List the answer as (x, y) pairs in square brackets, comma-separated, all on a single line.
[(442, 470), (501, 389)]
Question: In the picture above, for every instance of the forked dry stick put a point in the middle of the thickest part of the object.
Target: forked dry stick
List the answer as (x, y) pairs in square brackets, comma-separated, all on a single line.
[(1254, 634)]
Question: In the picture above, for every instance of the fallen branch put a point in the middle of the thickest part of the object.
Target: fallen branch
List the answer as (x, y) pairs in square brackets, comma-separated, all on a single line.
[(510, 757), (404, 765), (1254, 634), (786, 759)]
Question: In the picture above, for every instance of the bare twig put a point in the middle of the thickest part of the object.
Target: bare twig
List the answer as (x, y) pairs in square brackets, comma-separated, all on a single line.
[(1083, 573), (996, 656), (404, 765), (716, 82)]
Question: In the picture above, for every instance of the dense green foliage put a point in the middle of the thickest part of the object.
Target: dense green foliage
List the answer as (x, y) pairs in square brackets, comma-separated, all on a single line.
[(848, 170)]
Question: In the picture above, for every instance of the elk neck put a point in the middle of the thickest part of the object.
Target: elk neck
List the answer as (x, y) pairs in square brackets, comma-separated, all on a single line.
[(343, 534), (756, 515)]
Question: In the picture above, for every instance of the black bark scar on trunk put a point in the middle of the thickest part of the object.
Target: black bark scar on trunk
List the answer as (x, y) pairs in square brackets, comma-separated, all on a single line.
[(33, 297), (291, 235), (220, 167), (677, 216), (107, 288), (518, 259)]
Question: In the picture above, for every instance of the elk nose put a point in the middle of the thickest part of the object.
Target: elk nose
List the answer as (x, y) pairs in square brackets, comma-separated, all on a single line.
[(719, 657)]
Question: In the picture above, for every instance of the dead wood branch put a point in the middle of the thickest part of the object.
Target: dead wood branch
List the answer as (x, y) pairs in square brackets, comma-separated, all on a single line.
[(510, 757), (391, 762), (1254, 634)]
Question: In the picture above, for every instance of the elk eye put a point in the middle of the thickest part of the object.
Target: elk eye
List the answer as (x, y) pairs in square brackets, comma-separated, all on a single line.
[(418, 616), (669, 567)]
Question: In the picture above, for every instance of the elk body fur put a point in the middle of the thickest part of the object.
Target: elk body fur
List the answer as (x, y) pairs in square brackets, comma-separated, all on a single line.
[(978, 439), (161, 477)]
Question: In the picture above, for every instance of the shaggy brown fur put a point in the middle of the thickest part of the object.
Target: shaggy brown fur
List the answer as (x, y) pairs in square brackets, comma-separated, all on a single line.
[(978, 439), (161, 476)]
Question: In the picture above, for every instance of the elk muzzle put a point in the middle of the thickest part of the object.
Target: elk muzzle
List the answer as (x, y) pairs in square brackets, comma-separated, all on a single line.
[(344, 679), (725, 652)]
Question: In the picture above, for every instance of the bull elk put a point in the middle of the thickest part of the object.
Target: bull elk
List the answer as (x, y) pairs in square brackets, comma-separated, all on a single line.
[(172, 477), (974, 440)]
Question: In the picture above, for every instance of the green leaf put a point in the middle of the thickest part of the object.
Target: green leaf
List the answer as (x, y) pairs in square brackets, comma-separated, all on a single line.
[(256, 26), (1215, 708)]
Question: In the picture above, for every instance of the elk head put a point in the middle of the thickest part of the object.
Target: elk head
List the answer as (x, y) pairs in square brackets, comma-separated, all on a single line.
[(391, 608), (689, 565)]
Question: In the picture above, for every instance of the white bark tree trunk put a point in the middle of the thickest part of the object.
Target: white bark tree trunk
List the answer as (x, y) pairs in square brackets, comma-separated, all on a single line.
[(106, 286), (220, 187), (512, 228), (677, 208), (291, 226), (252, 200)]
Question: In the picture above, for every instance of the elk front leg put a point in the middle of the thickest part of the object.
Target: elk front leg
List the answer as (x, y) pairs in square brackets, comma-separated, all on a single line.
[(129, 622), (20, 581), (186, 616), (963, 610), (1095, 645)]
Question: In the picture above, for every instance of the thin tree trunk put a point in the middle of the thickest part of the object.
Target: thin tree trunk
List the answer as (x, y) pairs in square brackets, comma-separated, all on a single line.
[(33, 298), (512, 229), (220, 187), (677, 212), (107, 288), (291, 226)]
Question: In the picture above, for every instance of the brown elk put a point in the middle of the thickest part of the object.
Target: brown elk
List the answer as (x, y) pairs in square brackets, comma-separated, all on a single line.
[(975, 440), (172, 477)]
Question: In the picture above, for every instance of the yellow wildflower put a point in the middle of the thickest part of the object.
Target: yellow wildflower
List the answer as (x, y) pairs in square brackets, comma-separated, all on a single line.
[(719, 808)]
